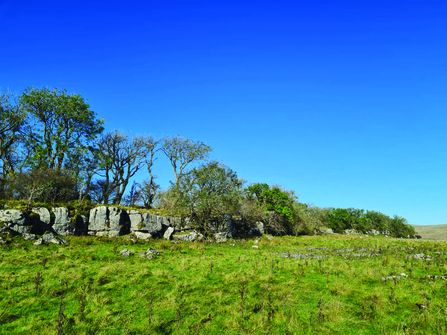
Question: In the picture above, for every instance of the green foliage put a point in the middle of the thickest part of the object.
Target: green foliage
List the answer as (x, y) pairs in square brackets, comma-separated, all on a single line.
[(12, 119), (44, 186), (59, 123), (274, 198), (340, 219), (213, 189)]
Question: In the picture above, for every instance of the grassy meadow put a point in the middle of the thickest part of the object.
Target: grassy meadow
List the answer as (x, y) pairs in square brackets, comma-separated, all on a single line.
[(435, 232), (287, 285)]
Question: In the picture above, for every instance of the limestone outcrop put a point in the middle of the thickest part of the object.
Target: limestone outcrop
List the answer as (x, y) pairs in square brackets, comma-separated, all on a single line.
[(108, 221), (14, 220)]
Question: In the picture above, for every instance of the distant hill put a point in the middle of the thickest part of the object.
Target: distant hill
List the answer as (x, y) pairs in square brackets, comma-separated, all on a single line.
[(437, 232)]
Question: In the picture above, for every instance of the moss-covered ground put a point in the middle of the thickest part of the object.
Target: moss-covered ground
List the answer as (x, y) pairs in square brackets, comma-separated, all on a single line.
[(287, 285)]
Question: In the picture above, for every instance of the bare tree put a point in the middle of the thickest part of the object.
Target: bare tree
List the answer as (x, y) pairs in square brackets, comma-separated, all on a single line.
[(182, 152), (121, 156), (149, 187)]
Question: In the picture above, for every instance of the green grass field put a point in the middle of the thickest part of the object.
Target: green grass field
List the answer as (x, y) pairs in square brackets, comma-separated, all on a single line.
[(288, 285)]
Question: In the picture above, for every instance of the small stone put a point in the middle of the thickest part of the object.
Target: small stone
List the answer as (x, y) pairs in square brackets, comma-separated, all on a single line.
[(150, 256), (29, 236), (255, 246), (152, 251), (125, 253), (38, 242)]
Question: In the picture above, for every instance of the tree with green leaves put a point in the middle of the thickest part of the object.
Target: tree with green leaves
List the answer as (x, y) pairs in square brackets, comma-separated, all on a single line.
[(207, 191), (182, 152), (281, 205), (58, 123), (274, 198), (12, 119)]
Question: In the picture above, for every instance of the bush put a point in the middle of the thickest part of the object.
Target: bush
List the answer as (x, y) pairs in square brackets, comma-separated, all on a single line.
[(44, 186)]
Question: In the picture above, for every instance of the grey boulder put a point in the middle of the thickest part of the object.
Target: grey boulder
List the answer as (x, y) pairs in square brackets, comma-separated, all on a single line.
[(168, 233), (51, 238), (125, 253), (191, 237), (142, 236)]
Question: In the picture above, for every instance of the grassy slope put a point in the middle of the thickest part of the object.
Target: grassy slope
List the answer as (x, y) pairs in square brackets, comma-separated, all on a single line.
[(437, 232), (341, 294)]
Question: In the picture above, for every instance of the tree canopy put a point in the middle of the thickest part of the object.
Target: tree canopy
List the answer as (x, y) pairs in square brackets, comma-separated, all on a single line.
[(58, 124)]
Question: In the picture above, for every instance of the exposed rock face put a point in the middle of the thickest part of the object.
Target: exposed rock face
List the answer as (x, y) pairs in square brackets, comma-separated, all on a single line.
[(62, 223), (15, 220), (248, 228), (42, 222), (81, 225), (223, 227), (191, 237), (324, 231), (220, 237), (108, 221), (149, 223), (136, 220)]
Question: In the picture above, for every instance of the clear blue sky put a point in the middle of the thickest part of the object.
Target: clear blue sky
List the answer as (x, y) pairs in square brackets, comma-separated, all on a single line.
[(344, 102)]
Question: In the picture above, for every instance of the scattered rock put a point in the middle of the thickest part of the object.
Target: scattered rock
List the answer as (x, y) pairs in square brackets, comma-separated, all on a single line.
[(38, 242), (435, 277), (384, 279), (255, 246), (125, 253), (153, 251), (269, 237), (422, 256), (51, 238), (149, 253), (29, 236)]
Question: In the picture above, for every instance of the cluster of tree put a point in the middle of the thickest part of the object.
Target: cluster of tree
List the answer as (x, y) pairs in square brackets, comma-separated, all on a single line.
[(340, 219), (53, 148)]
